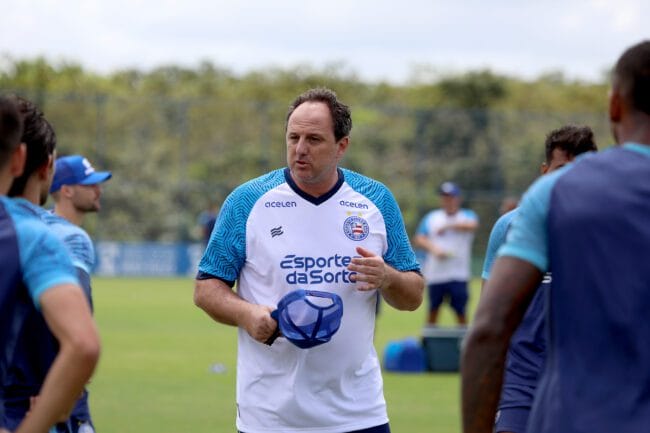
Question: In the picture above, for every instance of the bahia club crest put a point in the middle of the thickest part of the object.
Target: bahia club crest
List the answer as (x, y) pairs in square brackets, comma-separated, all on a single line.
[(356, 228)]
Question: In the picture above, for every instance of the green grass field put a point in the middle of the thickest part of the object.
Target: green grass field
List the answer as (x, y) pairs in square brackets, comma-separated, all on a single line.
[(156, 373)]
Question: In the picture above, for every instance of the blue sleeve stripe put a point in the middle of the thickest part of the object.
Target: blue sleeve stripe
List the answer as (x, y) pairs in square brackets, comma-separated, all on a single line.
[(81, 265)]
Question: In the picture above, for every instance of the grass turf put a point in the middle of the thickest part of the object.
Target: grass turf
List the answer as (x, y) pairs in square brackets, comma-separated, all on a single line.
[(166, 367)]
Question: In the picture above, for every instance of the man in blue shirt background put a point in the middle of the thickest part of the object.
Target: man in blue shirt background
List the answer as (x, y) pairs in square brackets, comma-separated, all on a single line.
[(76, 189), (588, 224)]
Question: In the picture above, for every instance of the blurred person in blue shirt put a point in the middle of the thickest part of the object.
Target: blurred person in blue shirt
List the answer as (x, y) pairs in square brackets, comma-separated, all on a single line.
[(587, 223), (31, 362), (38, 275), (527, 350)]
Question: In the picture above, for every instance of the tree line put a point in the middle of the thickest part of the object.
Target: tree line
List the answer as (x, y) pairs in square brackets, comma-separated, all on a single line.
[(178, 138)]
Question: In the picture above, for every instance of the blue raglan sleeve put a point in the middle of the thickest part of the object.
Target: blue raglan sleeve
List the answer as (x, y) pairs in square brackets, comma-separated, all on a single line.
[(470, 215), (497, 238), (226, 251), (225, 254), (80, 246), (44, 259), (81, 250), (527, 238), (399, 253), (423, 228)]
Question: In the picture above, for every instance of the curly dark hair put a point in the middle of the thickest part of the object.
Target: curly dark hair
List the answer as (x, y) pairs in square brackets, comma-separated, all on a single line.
[(572, 139)]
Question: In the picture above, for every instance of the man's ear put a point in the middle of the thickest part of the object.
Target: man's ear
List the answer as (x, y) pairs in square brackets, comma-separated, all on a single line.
[(66, 191), (343, 145), (46, 170), (615, 106), (17, 161)]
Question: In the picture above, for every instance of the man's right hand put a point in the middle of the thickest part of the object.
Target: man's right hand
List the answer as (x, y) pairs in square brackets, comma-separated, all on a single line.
[(258, 322), (221, 303)]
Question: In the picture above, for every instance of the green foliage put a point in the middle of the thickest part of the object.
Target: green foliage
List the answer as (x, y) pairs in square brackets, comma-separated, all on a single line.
[(178, 138), (473, 90)]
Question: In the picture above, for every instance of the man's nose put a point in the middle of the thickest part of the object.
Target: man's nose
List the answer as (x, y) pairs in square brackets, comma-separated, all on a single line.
[(301, 145)]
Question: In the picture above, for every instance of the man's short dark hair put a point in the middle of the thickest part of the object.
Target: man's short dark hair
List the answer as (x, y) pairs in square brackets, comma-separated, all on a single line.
[(340, 112), (572, 139), (11, 129), (632, 75), (40, 139)]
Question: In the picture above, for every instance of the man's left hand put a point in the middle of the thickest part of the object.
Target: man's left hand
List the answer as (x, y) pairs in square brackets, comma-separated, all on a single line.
[(371, 272)]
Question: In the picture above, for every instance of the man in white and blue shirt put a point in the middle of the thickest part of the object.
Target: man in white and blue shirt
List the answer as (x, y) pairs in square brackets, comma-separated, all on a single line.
[(313, 226), (446, 235)]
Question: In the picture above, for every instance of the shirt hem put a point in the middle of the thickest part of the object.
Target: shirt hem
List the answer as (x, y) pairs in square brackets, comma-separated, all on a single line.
[(329, 429)]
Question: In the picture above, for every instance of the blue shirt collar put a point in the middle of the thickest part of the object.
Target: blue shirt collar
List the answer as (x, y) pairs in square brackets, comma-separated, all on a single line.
[(643, 149)]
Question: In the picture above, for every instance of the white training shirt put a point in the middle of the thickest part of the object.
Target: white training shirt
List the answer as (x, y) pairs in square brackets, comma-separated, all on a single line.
[(458, 243), (272, 238)]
